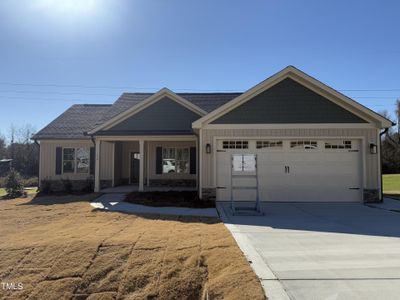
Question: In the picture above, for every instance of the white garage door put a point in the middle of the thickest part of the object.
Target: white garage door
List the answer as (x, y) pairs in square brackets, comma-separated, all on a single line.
[(292, 170)]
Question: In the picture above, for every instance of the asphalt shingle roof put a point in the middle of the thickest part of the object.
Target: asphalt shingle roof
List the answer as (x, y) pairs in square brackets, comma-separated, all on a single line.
[(80, 118), (72, 123)]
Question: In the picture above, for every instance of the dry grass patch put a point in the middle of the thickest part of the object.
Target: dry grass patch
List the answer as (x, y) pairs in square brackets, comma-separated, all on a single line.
[(59, 248)]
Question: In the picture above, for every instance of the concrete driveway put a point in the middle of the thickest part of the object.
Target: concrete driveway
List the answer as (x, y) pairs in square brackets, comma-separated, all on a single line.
[(322, 251)]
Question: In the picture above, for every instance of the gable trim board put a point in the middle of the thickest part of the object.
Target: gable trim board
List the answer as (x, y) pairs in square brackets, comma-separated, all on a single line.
[(289, 126), (146, 103), (308, 82)]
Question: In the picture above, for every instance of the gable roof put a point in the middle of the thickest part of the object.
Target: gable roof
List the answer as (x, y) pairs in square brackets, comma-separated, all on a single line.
[(164, 92), (73, 122), (206, 101), (309, 82), (81, 118)]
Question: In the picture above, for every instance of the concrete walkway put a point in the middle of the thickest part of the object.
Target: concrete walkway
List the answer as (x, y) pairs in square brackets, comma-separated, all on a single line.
[(321, 251), (114, 202)]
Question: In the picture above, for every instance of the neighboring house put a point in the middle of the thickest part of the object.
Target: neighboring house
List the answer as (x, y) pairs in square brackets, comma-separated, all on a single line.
[(301, 139)]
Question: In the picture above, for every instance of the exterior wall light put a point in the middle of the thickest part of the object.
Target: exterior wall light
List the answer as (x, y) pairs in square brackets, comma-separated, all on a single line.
[(208, 148), (373, 149)]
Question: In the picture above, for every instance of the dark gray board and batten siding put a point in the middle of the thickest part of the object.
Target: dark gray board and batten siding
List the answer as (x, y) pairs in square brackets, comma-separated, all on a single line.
[(288, 102), (164, 116)]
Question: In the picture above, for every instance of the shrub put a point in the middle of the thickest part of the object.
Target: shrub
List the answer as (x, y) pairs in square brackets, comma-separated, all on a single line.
[(67, 185), (89, 185), (45, 186), (32, 181), (3, 181), (14, 185)]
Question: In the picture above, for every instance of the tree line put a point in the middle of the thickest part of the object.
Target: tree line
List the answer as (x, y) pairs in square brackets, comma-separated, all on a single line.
[(18, 146), (391, 144)]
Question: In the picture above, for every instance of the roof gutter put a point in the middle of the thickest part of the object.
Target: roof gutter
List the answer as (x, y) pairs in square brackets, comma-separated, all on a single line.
[(38, 144), (385, 131)]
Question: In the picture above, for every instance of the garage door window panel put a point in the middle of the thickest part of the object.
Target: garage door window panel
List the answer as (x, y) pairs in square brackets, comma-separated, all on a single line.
[(235, 145), (338, 144), (304, 145), (269, 144)]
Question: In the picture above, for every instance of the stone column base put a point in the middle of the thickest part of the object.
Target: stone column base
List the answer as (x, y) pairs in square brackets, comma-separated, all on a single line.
[(371, 195), (209, 194)]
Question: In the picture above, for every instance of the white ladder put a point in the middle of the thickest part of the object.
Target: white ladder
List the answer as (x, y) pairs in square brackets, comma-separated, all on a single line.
[(254, 209)]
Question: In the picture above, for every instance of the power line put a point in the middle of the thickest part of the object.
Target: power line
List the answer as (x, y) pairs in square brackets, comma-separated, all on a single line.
[(51, 99), (115, 95), (86, 99), (59, 93), (157, 88), (107, 102), (371, 90)]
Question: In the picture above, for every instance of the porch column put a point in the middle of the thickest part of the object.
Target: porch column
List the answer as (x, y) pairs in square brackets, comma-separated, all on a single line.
[(200, 171), (141, 165), (97, 167), (113, 164), (148, 164)]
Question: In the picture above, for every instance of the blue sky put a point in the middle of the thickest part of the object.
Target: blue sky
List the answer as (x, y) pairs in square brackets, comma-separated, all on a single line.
[(57, 53)]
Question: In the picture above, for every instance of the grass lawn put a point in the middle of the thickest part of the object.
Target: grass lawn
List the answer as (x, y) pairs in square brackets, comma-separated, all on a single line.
[(61, 248), (2, 192), (391, 185)]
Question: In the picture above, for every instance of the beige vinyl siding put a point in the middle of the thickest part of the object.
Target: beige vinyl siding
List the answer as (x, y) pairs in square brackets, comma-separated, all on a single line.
[(47, 168), (117, 163), (106, 160), (370, 136), (127, 148)]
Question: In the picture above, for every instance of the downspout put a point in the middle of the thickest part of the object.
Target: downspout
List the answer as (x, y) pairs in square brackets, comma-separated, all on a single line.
[(37, 143), (380, 157), (198, 162), (93, 141)]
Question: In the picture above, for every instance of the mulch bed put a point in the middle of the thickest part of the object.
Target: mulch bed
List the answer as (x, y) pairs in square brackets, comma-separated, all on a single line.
[(172, 198)]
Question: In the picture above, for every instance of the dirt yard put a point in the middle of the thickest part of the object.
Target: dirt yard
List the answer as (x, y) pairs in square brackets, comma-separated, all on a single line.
[(59, 248)]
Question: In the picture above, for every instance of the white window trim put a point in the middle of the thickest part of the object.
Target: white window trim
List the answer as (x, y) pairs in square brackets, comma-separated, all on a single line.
[(75, 172), (176, 148)]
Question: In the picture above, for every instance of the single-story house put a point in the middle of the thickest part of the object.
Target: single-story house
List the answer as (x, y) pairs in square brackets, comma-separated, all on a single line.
[(290, 136)]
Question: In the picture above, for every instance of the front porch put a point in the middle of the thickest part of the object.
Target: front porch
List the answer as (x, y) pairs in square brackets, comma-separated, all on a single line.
[(152, 163)]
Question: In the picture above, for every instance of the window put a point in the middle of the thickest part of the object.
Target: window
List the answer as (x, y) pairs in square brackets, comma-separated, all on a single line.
[(338, 145), (303, 145), (235, 144), (268, 144), (76, 160), (175, 160), (82, 160), (68, 160)]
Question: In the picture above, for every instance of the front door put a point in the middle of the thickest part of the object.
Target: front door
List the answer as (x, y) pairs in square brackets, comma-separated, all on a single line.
[(135, 165)]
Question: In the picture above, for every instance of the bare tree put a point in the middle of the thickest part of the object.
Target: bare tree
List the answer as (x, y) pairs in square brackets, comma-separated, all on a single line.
[(3, 146), (12, 132), (391, 144), (398, 116)]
